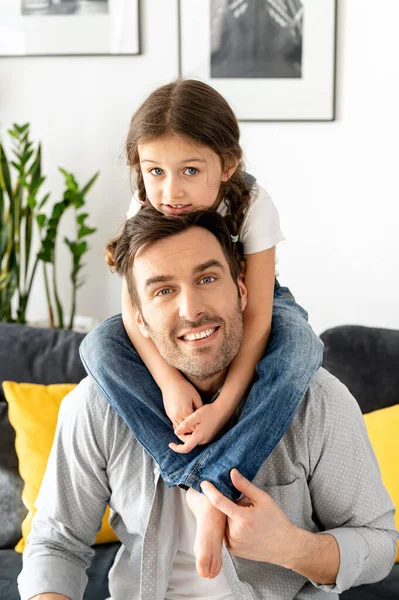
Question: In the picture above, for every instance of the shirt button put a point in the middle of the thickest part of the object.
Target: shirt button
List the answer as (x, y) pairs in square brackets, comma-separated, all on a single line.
[(156, 471)]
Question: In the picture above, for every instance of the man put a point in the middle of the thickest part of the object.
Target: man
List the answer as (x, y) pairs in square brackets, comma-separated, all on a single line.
[(317, 518)]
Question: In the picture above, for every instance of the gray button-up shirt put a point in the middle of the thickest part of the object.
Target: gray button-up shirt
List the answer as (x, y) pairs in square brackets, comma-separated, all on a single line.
[(323, 474)]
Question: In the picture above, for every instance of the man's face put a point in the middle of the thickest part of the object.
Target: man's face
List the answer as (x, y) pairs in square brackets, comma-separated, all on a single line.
[(190, 305)]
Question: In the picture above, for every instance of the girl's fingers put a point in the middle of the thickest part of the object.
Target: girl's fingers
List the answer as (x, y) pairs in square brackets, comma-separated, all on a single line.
[(187, 446), (188, 424), (197, 402)]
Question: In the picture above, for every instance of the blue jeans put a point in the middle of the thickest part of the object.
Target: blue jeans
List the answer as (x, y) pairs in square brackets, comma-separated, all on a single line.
[(293, 355)]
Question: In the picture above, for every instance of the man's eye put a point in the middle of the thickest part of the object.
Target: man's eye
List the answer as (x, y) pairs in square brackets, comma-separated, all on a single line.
[(164, 292), (190, 171), (156, 171), (207, 279)]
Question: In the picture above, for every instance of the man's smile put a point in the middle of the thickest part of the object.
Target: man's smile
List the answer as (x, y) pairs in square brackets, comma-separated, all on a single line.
[(200, 335)]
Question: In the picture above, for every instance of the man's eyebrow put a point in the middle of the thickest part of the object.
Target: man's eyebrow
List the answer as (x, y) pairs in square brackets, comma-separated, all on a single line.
[(157, 279), (209, 264)]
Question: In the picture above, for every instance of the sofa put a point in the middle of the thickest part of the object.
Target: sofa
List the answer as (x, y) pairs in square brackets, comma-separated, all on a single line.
[(365, 359)]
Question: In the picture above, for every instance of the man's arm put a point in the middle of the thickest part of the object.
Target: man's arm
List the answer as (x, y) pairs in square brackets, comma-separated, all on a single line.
[(71, 502), (359, 541)]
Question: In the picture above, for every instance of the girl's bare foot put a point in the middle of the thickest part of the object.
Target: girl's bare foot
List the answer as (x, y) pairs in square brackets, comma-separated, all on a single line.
[(211, 525)]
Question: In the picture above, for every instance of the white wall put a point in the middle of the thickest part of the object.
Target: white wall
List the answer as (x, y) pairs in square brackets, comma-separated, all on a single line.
[(335, 184)]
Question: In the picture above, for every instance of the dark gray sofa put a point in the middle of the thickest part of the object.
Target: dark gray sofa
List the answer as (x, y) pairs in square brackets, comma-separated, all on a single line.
[(42, 356), (365, 359)]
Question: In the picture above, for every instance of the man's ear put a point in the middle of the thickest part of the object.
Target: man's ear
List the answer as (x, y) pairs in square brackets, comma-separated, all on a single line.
[(243, 292), (140, 322), (230, 170)]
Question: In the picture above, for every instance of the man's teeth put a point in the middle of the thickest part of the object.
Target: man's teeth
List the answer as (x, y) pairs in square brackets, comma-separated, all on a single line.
[(178, 205), (198, 336)]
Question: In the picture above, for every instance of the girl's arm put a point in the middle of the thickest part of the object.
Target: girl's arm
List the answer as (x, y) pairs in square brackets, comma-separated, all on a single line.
[(259, 281), (179, 396)]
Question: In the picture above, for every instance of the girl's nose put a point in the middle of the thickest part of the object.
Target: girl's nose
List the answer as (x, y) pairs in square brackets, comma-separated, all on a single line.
[(173, 188)]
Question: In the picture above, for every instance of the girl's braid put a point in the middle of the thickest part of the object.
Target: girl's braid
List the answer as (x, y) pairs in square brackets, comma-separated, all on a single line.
[(237, 196)]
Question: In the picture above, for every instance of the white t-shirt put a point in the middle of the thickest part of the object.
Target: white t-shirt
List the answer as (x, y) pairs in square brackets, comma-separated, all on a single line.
[(261, 226), (184, 581)]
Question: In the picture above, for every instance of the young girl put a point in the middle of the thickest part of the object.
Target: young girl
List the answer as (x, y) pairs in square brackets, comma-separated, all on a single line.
[(183, 144)]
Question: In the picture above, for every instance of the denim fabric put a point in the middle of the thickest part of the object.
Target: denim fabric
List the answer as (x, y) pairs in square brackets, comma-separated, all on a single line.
[(293, 354)]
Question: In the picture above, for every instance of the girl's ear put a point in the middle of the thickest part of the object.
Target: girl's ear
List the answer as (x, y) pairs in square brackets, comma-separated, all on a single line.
[(230, 171)]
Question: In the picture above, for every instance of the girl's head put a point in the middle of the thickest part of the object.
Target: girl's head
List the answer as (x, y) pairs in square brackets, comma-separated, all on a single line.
[(183, 143)]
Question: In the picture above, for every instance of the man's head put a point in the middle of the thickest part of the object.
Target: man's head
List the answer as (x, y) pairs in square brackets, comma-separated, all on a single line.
[(184, 279)]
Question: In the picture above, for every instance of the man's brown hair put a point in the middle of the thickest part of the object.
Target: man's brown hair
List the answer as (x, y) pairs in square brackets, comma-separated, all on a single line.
[(149, 226)]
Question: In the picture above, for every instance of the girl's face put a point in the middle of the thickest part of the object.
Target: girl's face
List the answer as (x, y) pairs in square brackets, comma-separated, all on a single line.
[(180, 175)]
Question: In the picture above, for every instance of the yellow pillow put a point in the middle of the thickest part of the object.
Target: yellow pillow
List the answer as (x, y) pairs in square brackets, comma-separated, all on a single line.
[(382, 427), (33, 412)]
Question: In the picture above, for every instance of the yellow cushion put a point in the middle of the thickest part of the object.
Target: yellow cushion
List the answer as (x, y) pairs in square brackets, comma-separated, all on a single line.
[(382, 427), (33, 412)]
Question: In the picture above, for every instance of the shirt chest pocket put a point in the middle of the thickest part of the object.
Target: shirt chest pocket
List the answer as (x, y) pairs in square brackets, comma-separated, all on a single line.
[(295, 502)]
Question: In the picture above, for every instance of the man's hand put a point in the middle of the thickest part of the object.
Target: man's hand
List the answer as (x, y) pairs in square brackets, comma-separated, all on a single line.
[(257, 529), (180, 400), (200, 427)]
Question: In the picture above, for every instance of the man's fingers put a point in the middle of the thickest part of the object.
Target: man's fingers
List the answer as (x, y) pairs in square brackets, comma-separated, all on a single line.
[(188, 424), (219, 501), (249, 490), (187, 446)]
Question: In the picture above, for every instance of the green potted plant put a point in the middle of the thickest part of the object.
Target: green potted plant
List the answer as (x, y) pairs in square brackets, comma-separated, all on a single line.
[(24, 221)]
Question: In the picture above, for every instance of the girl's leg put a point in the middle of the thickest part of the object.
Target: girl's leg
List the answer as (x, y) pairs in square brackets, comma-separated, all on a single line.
[(293, 354)]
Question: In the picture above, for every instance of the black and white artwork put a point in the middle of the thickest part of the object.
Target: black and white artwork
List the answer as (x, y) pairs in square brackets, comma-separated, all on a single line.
[(64, 7), (69, 27), (256, 38), (273, 60)]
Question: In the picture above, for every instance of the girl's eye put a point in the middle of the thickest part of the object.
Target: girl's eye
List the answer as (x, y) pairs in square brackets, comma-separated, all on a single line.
[(164, 292), (190, 171), (207, 279), (156, 171)]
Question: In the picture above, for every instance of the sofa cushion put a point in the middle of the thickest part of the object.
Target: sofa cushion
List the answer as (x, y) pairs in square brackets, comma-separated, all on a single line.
[(12, 510), (28, 354), (366, 360), (39, 355), (382, 428), (387, 589), (33, 412)]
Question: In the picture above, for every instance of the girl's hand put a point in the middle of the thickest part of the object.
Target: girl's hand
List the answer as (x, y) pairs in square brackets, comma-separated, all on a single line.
[(200, 427), (180, 400)]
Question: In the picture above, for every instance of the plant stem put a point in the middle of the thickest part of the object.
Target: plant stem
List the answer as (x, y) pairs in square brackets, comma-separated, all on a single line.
[(49, 306), (56, 296)]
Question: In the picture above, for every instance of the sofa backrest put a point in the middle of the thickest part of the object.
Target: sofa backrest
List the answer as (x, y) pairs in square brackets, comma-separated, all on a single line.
[(366, 360), (30, 355)]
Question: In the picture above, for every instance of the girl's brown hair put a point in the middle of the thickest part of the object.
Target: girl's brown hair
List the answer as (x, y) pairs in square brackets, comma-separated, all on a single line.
[(195, 110)]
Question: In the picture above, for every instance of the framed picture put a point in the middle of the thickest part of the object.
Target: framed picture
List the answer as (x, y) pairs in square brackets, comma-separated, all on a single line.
[(69, 27), (273, 60)]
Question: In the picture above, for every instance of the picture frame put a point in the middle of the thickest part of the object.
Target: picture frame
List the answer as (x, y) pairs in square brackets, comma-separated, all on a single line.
[(273, 60), (69, 27)]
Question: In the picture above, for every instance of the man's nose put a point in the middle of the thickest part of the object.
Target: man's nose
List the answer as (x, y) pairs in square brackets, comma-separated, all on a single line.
[(190, 307)]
